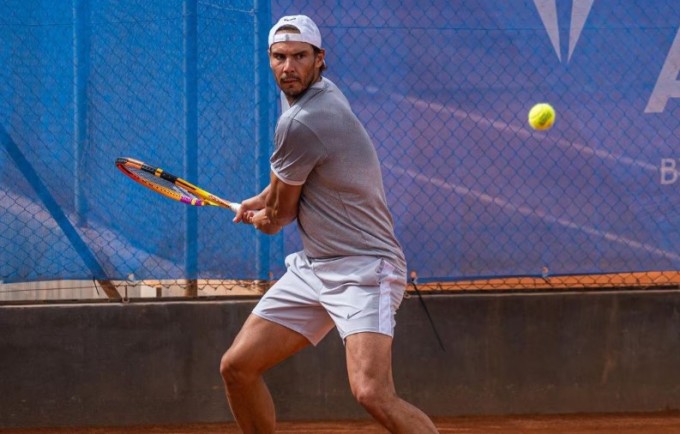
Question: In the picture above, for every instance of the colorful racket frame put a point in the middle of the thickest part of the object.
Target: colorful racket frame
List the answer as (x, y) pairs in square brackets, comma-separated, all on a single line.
[(170, 185)]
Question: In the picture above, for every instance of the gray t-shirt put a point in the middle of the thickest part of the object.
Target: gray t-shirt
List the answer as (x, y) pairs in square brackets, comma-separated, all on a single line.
[(343, 211)]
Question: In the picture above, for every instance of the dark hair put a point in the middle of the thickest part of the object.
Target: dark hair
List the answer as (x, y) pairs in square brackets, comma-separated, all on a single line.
[(317, 50)]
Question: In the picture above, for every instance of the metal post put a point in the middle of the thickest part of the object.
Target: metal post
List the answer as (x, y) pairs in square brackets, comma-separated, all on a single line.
[(191, 140), (263, 108), (81, 71), (81, 75)]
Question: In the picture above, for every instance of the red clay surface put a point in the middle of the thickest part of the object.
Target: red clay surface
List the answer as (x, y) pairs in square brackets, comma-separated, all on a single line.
[(569, 424)]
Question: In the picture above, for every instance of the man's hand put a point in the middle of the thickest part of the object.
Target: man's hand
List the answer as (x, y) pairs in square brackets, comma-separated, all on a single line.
[(252, 212), (262, 223), (249, 207)]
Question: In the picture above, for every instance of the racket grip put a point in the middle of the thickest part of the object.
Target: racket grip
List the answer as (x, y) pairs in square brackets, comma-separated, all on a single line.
[(234, 206)]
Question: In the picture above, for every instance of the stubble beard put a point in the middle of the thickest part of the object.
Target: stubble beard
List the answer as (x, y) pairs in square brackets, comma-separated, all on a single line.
[(295, 93)]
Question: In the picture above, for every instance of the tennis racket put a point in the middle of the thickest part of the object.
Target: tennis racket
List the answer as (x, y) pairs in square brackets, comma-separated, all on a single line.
[(171, 186)]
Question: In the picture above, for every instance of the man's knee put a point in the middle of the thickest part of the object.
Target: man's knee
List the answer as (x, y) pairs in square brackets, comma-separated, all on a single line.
[(373, 397), (234, 370)]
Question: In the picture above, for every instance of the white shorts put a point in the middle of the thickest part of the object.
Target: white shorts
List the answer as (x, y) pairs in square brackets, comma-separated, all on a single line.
[(355, 294)]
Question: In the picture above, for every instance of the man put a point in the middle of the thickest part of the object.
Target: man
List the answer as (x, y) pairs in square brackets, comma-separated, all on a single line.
[(351, 274)]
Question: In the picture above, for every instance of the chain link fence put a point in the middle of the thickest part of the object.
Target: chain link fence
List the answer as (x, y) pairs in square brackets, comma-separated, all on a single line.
[(480, 200)]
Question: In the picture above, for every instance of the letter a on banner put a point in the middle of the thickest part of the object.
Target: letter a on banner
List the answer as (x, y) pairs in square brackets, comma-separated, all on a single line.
[(667, 85)]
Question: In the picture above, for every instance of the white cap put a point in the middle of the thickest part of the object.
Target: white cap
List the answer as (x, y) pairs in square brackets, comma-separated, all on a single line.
[(309, 32)]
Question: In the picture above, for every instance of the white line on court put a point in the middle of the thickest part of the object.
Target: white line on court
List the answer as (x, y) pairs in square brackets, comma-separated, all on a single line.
[(528, 212), (524, 132)]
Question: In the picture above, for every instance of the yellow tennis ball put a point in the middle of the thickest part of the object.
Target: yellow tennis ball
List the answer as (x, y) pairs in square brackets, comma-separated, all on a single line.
[(541, 116)]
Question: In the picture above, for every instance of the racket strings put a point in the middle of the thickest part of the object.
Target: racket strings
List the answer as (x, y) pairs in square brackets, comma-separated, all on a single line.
[(171, 186), (163, 184)]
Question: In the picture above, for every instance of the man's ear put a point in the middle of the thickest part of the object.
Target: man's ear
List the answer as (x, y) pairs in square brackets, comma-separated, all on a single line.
[(321, 57)]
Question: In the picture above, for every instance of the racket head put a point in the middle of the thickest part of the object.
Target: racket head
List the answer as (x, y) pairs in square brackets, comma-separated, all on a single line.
[(169, 185)]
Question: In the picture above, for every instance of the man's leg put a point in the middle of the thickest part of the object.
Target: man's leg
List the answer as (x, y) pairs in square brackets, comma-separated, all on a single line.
[(259, 345), (369, 365)]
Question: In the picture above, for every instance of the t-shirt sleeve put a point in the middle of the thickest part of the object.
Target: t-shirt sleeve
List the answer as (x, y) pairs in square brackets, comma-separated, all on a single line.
[(298, 151)]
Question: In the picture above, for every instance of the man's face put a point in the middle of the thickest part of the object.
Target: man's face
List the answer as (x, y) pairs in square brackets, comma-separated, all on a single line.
[(295, 66)]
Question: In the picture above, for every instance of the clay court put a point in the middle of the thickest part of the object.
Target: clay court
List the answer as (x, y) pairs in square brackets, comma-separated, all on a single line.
[(668, 423)]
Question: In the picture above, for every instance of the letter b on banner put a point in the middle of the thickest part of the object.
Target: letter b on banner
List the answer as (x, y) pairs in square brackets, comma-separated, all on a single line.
[(669, 174)]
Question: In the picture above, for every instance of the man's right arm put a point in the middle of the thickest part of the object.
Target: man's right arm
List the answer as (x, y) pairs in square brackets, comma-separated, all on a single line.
[(254, 211), (281, 207), (252, 205), (282, 201)]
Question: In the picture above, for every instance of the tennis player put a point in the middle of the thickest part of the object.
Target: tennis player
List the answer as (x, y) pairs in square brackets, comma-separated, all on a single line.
[(351, 273)]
